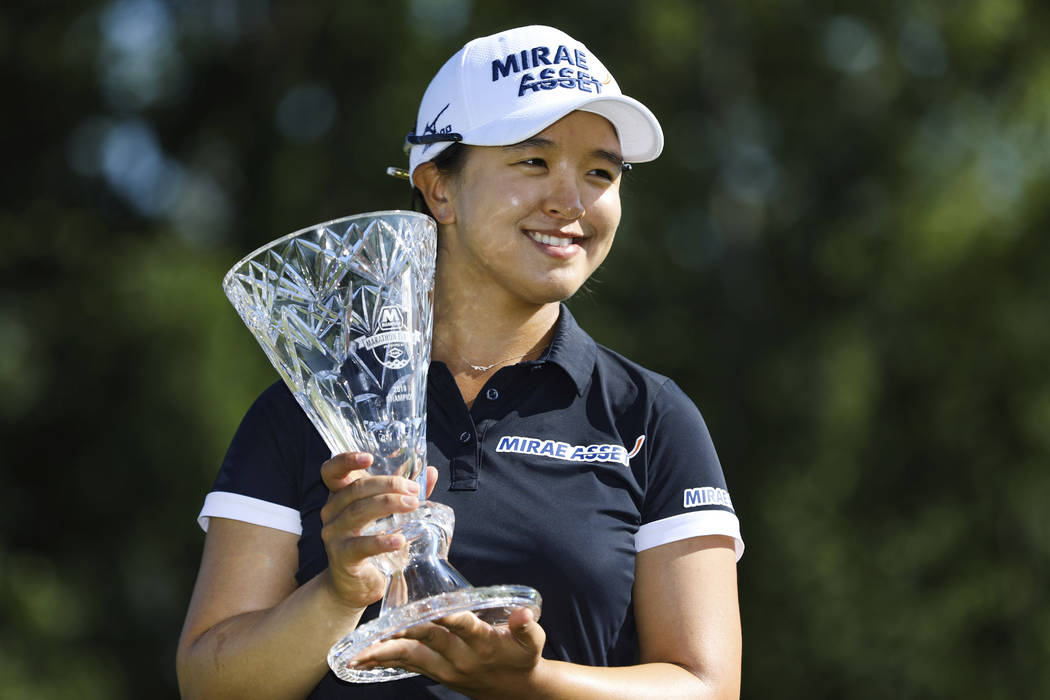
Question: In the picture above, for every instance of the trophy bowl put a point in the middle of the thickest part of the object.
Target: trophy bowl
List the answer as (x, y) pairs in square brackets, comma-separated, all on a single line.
[(344, 312)]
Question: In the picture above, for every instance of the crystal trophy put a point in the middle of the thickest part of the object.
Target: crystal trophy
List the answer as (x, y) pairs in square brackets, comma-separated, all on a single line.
[(344, 312)]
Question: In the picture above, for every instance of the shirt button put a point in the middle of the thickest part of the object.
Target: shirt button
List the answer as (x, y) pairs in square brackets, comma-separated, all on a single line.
[(464, 437), (491, 394)]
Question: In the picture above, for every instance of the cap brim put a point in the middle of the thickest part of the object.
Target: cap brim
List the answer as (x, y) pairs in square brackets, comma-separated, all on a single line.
[(641, 137), (640, 134)]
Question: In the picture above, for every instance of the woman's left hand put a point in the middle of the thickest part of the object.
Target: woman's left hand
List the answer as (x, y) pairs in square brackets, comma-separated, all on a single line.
[(467, 655)]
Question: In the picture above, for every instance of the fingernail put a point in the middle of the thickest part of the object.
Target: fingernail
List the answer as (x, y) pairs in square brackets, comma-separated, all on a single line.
[(410, 500), (362, 459), (411, 486), (395, 541)]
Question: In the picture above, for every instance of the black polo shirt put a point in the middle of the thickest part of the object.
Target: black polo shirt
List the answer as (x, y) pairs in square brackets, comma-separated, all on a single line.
[(562, 470)]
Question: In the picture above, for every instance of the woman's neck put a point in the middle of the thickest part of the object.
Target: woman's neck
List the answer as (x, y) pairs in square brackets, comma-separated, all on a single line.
[(480, 335), (475, 335)]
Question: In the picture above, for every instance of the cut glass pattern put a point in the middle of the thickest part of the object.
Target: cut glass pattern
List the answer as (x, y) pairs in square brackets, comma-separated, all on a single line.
[(343, 312)]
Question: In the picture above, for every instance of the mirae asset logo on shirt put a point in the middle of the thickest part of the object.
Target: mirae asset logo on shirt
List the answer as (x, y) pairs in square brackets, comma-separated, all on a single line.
[(567, 452), (706, 496)]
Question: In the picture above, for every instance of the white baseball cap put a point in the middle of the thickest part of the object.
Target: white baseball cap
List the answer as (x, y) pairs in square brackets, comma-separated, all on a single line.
[(501, 89)]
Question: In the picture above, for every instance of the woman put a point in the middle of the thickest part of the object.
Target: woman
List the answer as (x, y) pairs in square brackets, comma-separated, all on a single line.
[(570, 469)]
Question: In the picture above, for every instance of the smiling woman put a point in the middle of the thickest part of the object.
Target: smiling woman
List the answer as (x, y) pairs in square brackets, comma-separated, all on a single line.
[(571, 469), (527, 224)]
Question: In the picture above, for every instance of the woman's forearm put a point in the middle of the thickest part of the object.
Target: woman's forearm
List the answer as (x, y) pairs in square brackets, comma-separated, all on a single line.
[(279, 652), (658, 681)]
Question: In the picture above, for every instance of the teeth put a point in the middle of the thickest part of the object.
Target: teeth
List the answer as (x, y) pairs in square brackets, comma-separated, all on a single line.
[(556, 241)]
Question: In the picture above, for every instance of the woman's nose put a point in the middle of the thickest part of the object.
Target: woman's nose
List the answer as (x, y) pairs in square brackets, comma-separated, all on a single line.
[(564, 199)]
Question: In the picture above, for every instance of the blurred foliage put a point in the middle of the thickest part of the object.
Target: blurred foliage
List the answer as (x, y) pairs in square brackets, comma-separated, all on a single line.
[(841, 256)]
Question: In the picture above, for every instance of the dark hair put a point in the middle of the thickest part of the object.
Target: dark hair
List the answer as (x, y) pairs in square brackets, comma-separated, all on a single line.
[(449, 162)]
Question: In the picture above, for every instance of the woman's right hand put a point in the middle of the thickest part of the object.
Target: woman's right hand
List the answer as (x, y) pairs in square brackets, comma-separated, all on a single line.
[(355, 500)]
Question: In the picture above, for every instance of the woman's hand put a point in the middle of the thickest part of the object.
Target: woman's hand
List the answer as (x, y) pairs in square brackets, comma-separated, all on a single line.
[(356, 499), (468, 655)]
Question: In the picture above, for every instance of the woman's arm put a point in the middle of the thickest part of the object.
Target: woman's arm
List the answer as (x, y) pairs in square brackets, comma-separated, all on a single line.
[(250, 632), (688, 620), (688, 613)]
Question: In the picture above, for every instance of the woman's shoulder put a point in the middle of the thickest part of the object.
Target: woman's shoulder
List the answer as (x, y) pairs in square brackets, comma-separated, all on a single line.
[(276, 397), (275, 409), (614, 364), (574, 345), (628, 381)]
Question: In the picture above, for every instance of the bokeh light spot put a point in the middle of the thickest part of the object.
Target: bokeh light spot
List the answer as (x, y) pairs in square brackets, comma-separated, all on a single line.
[(921, 49), (306, 112), (440, 18), (850, 45)]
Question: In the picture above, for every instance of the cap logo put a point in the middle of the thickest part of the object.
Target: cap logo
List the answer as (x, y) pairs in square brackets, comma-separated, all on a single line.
[(572, 75), (431, 128)]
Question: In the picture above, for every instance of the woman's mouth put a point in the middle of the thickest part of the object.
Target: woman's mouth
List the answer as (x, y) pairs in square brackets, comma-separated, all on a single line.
[(548, 239)]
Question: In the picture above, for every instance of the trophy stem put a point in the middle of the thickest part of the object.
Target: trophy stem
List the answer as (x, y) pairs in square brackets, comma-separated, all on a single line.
[(422, 586), (421, 568)]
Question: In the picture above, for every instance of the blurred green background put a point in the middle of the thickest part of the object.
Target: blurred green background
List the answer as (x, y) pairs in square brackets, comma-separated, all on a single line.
[(842, 256)]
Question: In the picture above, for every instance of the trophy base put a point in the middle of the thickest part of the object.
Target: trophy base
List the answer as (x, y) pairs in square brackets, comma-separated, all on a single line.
[(493, 604)]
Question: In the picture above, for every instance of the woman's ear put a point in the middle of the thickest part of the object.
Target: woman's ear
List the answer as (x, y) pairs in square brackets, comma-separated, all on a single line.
[(435, 188)]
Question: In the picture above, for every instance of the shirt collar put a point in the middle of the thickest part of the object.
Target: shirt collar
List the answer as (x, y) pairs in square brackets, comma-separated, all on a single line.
[(572, 350)]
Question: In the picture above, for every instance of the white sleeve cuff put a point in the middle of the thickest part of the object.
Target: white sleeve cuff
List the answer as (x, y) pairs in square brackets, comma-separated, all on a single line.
[(686, 525), (221, 504)]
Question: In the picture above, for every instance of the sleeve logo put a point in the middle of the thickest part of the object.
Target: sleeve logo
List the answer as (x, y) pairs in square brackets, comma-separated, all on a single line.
[(706, 496)]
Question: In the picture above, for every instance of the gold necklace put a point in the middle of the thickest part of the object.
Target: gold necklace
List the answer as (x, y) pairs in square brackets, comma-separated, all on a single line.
[(486, 368)]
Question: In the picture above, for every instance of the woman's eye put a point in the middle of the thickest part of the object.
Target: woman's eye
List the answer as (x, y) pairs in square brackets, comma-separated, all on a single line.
[(603, 174), (535, 162)]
